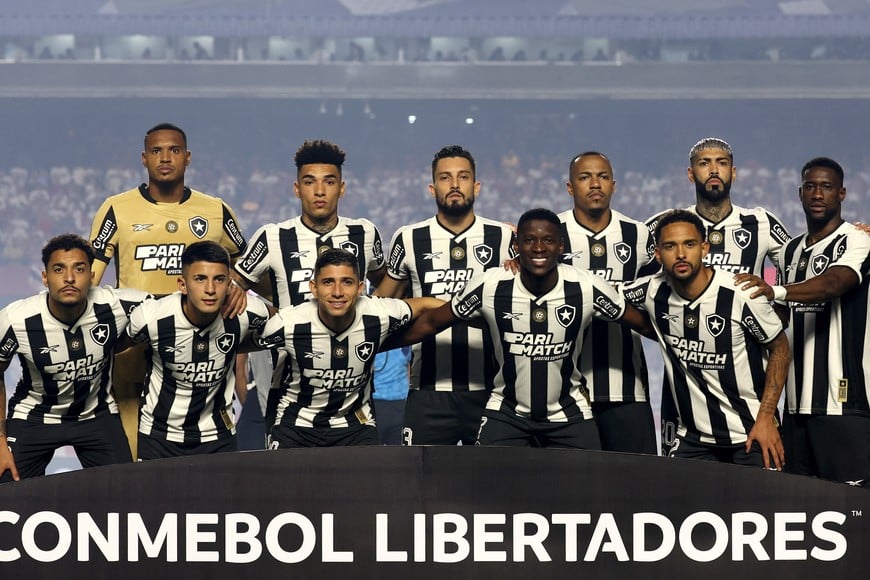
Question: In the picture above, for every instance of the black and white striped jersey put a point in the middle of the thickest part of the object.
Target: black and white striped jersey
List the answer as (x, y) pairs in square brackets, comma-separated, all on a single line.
[(439, 263), (325, 378), (612, 358), (289, 250), (740, 241), (713, 353), (537, 340), (66, 369), (191, 376), (830, 371)]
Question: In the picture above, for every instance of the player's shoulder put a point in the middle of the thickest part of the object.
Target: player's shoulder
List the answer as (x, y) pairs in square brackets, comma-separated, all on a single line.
[(617, 217), (357, 221), (206, 199), (129, 197), (24, 307), (485, 221), (408, 228)]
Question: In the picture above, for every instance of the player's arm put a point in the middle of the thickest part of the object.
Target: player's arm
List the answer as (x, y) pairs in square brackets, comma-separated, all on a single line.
[(429, 322), (389, 287), (375, 277), (98, 269), (832, 283), (421, 305), (765, 431), (7, 462), (638, 321)]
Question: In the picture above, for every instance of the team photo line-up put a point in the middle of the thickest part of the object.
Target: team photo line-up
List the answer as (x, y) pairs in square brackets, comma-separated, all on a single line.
[(519, 336)]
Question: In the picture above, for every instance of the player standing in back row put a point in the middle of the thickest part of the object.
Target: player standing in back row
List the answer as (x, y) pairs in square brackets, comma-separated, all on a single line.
[(452, 372)]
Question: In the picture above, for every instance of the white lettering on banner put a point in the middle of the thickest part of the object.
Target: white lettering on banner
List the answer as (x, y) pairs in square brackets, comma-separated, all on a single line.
[(444, 538)]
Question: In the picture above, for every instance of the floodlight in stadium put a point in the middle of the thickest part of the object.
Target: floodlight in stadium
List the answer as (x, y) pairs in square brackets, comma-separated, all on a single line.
[(412, 119), (469, 120)]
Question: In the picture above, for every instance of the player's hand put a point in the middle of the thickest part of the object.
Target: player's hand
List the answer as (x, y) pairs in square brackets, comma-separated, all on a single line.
[(747, 281), (237, 300), (512, 265), (862, 226), (7, 462), (766, 433)]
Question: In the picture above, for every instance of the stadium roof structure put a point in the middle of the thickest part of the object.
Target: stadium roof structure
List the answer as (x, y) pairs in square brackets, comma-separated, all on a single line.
[(397, 18)]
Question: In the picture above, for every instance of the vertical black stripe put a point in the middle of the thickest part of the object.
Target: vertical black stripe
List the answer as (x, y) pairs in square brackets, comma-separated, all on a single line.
[(40, 350), (288, 241), (421, 242), (503, 302), (301, 336)]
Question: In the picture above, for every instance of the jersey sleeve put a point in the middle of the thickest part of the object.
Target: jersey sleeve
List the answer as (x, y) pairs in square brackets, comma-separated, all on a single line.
[(779, 236), (397, 313), (377, 256), (8, 340), (232, 238), (853, 252), (396, 265), (607, 302), (466, 305), (759, 319), (254, 262), (129, 298), (272, 334), (104, 232), (258, 315), (137, 330)]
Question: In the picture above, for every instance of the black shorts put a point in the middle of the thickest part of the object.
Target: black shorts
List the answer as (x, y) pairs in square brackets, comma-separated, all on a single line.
[(151, 447), (510, 430), (443, 417), (626, 427), (284, 437), (735, 454), (834, 447), (97, 441)]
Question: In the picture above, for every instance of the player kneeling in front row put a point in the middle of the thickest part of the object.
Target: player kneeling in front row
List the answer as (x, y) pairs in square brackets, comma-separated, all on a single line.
[(64, 339), (326, 353), (188, 404)]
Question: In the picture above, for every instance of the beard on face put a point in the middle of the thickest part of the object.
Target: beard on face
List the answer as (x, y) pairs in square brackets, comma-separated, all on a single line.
[(715, 195), (455, 208)]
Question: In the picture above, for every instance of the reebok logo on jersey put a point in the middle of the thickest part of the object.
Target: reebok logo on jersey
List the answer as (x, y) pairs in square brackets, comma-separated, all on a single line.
[(173, 349), (298, 255), (569, 256), (432, 256), (314, 355), (669, 317), (198, 226), (100, 334), (49, 349), (512, 315), (142, 227)]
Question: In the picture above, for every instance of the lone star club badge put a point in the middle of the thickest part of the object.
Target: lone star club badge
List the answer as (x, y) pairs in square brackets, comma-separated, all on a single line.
[(100, 334), (565, 315), (364, 350), (820, 264), (225, 342), (715, 324), (691, 321), (198, 226), (350, 247), (623, 252), (742, 237), (483, 254)]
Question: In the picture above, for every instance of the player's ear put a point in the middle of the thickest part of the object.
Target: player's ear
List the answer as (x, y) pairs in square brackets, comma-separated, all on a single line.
[(182, 286), (691, 175), (312, 286), (657, 255), (432, 189), (44, 279)]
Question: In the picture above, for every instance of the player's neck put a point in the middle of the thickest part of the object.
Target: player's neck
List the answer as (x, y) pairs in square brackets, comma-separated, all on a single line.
[(820, 230), (67, 314), (197, 318), (456, 223), (323, 226), (337, 324), (593, 221), (713, 211), (166, 192), (695, 286), (540, 285)]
